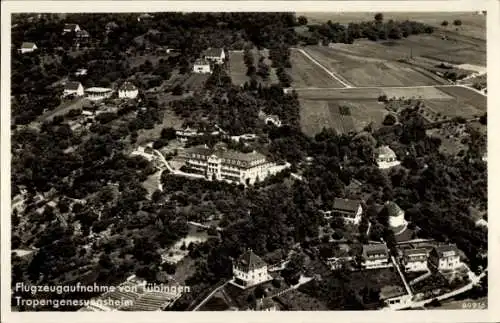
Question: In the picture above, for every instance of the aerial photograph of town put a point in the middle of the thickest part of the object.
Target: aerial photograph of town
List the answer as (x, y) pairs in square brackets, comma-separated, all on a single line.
[(248, 161)]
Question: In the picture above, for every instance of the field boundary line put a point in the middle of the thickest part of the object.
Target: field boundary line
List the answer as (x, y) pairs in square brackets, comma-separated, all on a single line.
[(303, 52)]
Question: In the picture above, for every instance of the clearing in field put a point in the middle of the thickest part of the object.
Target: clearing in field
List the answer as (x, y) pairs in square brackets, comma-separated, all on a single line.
[(238, 69), (369, 70), (305, 73), (318, 114)]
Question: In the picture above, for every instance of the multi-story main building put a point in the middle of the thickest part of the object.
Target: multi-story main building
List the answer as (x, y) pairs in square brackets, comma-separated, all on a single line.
[(229, 165)]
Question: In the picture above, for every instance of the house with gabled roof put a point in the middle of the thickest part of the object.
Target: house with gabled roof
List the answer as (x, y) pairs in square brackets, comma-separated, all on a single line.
[(445, 258), (375, 256), (386, 157), (415, 260), (27, 47), (128, 91), (249, 270), (349, 210), (73, 88), (71, 28), (397, 221), (216, 55), (202, 66)]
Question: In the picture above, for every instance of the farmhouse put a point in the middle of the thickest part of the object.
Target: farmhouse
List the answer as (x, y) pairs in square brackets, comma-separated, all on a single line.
[(394, 296), (375, 256), (249, 270), (397, 220), (415, 260), (445, 258), (228, 165), (71, 28), (201, 66), (73, 88), (385, 157), (349, 210), (128, 91), (98, 93), (27, 48), (216, 55)]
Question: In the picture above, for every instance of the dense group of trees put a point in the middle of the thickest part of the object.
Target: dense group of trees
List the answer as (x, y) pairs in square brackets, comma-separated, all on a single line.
[(378, 29)]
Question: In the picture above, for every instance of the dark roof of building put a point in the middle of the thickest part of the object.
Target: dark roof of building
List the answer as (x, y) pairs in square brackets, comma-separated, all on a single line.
[(128, 86), (70, 26), (82, 33), (346, 205), (226, 154), (444, 249), (72, 86), (385, 151), (201, 61), (414, 252), (27, 45), (250, 261), (374, 249), (393, 209), (213, 52), (391, 291)]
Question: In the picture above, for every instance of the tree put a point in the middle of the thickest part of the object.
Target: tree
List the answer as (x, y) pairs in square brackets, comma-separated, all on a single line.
[(178, 90), (389, 120), (444, 23), (379, 17), (483, 119), (302, 20), (457, 22)]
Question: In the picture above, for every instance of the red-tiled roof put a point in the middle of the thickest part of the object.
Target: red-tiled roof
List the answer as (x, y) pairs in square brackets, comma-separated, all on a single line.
[(28, 45), (346, 205), (72, 86), (213, 52), (250, 261)]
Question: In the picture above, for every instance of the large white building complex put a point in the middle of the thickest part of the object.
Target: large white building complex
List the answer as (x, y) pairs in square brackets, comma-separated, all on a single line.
[(229, 165)]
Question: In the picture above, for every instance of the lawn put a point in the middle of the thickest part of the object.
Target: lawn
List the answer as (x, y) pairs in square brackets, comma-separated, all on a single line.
[(361, 67), (238, 68), (375, 278), (63, 108), (467, 96), (306, 73), (170, 119), (195, 81)]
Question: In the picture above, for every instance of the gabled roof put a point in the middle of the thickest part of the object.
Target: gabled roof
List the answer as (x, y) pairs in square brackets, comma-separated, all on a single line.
[(346, 205), (201, 61), (213, 52), (128, 86), (225, 154), (82, 33), (446, 251), (415, 252), (374, 249), (250, 261), (71, 27), (28, 45), (393, 209), (72, 86), (385, 151)]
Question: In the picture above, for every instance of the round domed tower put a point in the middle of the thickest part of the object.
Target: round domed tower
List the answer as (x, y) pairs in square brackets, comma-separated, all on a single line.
[(396, 216)]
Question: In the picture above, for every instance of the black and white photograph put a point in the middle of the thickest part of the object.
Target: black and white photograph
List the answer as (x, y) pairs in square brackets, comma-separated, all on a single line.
[(175, 161)]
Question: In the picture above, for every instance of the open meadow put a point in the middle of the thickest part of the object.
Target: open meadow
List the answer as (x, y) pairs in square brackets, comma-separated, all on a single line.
[(319, 108), (305, 73)]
